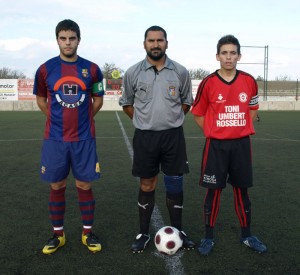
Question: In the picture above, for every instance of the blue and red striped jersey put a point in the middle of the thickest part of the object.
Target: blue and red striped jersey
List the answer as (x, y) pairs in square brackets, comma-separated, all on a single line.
[(68, 87)]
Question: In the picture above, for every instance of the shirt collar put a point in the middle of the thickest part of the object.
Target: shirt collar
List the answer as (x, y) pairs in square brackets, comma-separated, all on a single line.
[(168, 64)]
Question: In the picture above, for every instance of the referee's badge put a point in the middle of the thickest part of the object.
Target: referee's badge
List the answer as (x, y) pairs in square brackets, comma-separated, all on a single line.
[(172, 90)]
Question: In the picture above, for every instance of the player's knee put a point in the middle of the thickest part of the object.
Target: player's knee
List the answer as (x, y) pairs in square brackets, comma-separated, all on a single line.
[(83, 185), (59, 185), (173, 184), (148, 184)]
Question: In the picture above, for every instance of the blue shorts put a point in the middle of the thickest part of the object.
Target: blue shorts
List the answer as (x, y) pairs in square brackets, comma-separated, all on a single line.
[(59, 156)]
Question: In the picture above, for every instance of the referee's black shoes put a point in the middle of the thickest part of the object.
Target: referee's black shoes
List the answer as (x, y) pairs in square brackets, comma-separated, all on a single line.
[(186, 243), (140, 243)]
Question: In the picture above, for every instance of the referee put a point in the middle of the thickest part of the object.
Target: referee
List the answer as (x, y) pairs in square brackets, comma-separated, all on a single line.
[(157, 95)]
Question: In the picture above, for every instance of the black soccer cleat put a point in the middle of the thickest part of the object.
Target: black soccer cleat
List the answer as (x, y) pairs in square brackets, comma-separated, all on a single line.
[(140, 243), (186, 243)]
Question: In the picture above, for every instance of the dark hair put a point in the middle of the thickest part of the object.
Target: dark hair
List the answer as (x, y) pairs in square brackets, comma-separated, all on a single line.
[(229, 39), (67, 25), (155, 28)]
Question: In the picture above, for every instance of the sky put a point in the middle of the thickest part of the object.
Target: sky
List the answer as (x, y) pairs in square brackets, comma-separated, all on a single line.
[(113, 32)]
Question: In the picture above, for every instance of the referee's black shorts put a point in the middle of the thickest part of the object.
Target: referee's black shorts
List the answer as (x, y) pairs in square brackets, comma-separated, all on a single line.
[(227, 161), (159, 149)]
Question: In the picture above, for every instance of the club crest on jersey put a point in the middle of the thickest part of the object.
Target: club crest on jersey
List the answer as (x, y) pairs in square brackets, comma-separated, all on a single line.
[(69, 91), (85, 72), (172, 91), (243, 97)]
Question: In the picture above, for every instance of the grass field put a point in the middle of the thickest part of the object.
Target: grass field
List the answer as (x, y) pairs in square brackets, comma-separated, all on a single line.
[(24, 216)]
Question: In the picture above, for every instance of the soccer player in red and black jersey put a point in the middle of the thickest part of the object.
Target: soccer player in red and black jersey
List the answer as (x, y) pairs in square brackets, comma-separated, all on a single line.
[(225, 107), (69, 91)]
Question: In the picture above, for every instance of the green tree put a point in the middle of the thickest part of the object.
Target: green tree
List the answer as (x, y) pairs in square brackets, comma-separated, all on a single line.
[(198, 73), (7, 73), (108, 68)]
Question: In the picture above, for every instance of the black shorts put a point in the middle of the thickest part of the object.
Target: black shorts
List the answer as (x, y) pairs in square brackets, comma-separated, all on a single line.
[(227, 161), (153, 149)]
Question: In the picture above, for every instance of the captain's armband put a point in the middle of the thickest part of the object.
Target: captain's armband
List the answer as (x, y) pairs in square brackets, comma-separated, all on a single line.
[(98, 89)]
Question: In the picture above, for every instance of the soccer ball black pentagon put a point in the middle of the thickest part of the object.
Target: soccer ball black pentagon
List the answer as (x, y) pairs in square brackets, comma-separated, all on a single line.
[(168, 240)]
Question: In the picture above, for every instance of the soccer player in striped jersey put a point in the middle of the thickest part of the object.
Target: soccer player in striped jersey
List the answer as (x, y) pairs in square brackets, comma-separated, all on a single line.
[(225, 107), (69, 91)]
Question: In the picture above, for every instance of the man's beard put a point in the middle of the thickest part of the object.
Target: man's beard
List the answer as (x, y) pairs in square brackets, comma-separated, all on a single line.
[(69, 54), (156, 57)]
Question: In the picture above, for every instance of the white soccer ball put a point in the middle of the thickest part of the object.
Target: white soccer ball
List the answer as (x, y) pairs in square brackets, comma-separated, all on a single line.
[(168, 240)]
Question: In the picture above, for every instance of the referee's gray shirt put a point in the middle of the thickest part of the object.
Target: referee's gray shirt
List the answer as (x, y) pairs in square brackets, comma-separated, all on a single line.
[(157, 96)]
